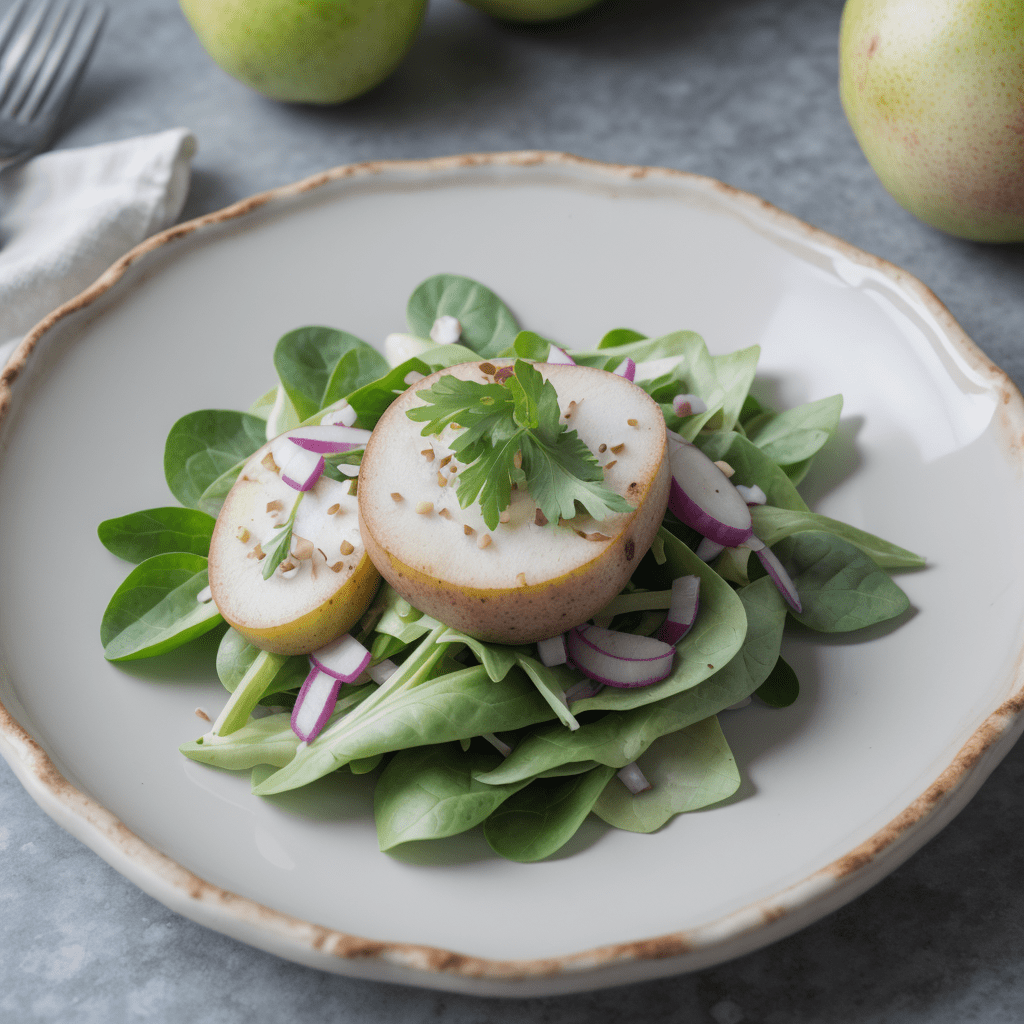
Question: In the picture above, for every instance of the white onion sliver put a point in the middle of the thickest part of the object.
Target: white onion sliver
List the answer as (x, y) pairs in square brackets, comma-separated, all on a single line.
[(382, 671), (708, 549), (626, 369), (633, 779), (344, 658), (619, 659), (346, 416), (314, 705), (552, 651), (301, 468), (559, 355), (752, 495), (446, 330)]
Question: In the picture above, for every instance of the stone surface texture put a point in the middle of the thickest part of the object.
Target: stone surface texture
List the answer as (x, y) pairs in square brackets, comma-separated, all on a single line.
[(741, 90)]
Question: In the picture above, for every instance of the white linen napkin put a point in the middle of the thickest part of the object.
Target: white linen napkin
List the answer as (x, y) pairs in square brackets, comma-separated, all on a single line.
[(66, 216)]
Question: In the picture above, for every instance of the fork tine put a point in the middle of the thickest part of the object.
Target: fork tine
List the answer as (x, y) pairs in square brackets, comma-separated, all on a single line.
[(68, 62), (15, 54), (38, 59)]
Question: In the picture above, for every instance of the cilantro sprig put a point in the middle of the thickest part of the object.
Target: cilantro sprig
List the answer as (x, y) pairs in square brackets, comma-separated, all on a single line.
[(518, 415)]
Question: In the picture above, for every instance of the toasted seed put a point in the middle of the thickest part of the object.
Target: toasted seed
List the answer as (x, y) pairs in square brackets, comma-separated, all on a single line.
[(334, 509), (442, 480), (488, 368), (631, 422), (287, 565), (608, 465), (617, 449), (337, 567), (424, 508), (200, 713), (602, 449), (521, 579), (347, 548), (257, 552), (444, 462), (468, 530), (242, 534), (484, 541), (444, 513), (301, 548), (395, 496), (453, 468), (275, 506), (428, 454)]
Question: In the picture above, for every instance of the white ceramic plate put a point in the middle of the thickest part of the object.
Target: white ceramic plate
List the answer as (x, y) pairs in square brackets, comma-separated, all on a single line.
[(893, 731)]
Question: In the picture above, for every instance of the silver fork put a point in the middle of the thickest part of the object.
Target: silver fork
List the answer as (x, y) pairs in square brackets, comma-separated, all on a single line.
[(43, 53)]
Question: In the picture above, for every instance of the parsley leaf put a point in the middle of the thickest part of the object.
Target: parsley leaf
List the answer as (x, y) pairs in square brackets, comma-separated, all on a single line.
[(499, 421)]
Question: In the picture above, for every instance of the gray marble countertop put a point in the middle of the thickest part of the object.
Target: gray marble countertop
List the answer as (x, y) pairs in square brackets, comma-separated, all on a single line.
[(741, 90)]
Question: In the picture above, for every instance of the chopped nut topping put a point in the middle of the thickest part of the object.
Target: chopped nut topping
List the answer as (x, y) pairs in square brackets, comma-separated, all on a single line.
[(617, 449), (505, 517), (242, 534), (468, 530), (444, 513), (442, 480), (334, 509), (428, 454), (257, 552), (539, 518), (200, 713), (287, 565), (301, 548), (608, 465), (602, 449), (725, 467), (337, 567), (521, 579), (395, 496), (631, 422), (268, 463), (347, 548), (444, 462), (424, 508), (453, 468), (488, 368), (484, 541), (275, 506)]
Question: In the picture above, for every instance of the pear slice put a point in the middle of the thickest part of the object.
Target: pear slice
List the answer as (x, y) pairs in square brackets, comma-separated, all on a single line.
[(321, 590), (522, 581)]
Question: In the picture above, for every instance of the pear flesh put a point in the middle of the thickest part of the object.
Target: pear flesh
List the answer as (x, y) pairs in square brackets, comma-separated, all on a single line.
[(934, 92), (325, 584), (523, 581)]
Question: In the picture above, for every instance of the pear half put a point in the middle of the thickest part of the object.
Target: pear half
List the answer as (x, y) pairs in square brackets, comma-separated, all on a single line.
[(522, 581), (331, 580)]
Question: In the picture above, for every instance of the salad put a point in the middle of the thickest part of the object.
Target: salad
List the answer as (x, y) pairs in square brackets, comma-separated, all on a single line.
[(586, 556)]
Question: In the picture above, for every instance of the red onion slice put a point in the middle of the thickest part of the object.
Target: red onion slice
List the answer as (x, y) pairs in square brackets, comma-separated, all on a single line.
[(314, 705), (552, 651), (329, 439), (559, 355), (708, 550), (702, 496), (682, 609), (782, 580), (301, 468), (626, 369), (619, 659), (344, 658)]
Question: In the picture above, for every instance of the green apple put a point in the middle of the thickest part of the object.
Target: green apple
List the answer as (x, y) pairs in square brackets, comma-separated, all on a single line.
[(531, 10), (934, 92), (306, 51), (524, 580)]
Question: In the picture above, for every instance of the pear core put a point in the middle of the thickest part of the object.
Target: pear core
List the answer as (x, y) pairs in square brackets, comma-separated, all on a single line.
[(522, 581), (329, 588)]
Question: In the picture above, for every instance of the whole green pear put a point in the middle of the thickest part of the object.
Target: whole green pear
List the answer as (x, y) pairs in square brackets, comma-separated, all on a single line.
[(531, 10), (934, 92), (306, 51)]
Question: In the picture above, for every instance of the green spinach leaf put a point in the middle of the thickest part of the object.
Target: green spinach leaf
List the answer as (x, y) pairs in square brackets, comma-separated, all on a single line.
[(781, 688), (140, 535), (488, 326), (155, 609)]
